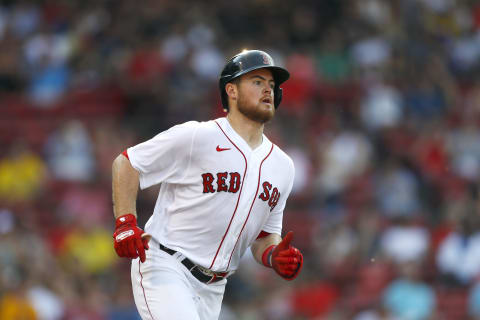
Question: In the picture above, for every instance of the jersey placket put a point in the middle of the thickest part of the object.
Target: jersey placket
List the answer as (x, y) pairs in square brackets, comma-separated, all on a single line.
[(249, 193), (219, 263), (237, 221), (252, 179)]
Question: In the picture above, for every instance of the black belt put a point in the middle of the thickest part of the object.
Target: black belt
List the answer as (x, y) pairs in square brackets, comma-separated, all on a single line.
[(195, 269)]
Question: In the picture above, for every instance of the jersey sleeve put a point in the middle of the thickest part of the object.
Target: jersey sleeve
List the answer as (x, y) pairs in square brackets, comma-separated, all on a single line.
[(274, 222), (165, 157)]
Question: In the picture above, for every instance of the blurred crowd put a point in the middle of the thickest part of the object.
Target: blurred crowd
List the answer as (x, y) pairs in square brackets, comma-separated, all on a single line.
[(381, 117)]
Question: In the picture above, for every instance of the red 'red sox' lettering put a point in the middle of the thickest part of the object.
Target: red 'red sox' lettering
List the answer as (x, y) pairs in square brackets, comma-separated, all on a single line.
[(266, 191), (207, 183), (221, 186), (271, 198), (222, 182), (234, 182)]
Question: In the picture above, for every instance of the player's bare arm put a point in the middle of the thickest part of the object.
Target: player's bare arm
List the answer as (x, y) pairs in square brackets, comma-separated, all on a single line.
[(129, 240), (125, 183)]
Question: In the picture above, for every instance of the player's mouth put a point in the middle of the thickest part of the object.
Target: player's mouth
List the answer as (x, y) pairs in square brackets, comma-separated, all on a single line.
[(267, 100)]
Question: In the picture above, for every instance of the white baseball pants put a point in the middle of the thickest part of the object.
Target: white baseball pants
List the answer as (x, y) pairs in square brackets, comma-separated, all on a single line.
[(164, 289)]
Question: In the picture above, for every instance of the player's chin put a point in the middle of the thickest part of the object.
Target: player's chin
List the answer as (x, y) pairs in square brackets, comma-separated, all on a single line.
[(266, 111), (260, 113), (265, 117)]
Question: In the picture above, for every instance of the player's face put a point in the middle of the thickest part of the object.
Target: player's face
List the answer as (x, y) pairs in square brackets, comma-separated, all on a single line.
[(255, 95)]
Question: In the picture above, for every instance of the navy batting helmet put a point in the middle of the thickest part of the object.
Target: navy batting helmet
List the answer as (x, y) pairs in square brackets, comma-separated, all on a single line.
[(247, 61)]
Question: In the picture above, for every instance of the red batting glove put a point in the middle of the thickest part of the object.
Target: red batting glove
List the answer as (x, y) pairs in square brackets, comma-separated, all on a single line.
[(129, 240), (284, 258)]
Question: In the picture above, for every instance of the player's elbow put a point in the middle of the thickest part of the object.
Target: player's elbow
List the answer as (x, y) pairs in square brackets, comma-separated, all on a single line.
[(117, 162), (121, 164)]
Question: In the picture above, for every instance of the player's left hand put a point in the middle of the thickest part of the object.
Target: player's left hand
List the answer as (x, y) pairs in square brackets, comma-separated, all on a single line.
[(285, 259), (129, 240)]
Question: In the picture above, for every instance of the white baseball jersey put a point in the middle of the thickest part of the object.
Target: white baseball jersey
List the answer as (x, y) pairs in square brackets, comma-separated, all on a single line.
[(216, 194)]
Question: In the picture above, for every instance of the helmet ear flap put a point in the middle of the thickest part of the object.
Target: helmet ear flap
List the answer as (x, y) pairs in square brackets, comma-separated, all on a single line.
[(278, 93)]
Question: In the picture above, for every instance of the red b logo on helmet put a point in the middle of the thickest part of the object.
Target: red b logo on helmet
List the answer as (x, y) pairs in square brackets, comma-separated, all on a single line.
[(267, 59)]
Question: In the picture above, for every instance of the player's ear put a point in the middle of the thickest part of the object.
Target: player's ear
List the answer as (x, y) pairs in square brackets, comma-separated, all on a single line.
[(232, 90)]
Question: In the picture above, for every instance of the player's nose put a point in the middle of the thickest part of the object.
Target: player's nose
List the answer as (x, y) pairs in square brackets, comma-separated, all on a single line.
[(267, 89)]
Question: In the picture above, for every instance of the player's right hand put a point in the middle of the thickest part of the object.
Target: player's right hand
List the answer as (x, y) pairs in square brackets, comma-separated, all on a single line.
[(129, 240)]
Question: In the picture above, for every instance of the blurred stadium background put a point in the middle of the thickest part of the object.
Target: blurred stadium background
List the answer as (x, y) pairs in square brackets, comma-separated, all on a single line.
[(381, 117)]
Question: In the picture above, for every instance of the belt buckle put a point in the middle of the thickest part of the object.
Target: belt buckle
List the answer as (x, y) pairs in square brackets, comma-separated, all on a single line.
[(206, 271), (214, 276)]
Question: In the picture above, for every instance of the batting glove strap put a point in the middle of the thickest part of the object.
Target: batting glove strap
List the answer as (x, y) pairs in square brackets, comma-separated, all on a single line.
[(126, 220), (267, 256)]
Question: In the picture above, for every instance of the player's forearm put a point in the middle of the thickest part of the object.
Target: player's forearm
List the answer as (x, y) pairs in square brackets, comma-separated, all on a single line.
[(260, 245), (125, 183)]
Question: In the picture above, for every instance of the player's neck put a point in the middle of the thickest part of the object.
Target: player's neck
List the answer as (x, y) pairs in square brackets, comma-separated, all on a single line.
[(251, 131)]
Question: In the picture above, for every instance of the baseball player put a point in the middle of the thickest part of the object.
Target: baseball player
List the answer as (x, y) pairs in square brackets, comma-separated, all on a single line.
[(224, 186)]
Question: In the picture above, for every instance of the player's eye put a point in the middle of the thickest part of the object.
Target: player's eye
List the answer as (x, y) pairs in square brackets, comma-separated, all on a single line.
[(257, 82), (272, 85)]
